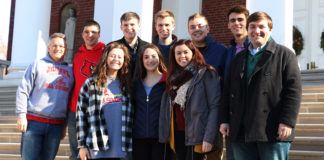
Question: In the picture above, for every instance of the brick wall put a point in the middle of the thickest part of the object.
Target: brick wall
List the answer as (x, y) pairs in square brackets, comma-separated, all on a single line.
[(84, 11), (215, 11)]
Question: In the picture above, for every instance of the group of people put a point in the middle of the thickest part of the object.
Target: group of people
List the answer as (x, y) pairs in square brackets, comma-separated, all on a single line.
[(170, 99)]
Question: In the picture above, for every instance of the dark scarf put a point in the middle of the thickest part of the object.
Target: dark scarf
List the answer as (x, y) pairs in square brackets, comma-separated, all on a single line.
[(180, 77)]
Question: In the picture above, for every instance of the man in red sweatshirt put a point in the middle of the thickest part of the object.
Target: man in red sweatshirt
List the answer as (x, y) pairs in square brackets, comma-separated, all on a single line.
[(84, 61)]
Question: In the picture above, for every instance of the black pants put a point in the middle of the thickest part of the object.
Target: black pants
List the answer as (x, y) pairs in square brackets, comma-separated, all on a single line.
[(185, 152), (150, 149)]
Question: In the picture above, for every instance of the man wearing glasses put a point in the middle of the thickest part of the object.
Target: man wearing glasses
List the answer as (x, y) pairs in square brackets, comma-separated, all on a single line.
[(214, 52)]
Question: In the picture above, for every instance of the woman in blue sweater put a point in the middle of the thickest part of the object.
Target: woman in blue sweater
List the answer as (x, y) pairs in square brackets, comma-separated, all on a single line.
[(148, 89)]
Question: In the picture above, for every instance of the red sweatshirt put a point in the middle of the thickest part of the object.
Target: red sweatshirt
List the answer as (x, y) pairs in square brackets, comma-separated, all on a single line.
[(83, 62)]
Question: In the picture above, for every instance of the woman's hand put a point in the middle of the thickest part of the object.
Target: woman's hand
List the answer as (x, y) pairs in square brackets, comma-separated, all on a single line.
[(206, 147), (22, 124), (84, 154)]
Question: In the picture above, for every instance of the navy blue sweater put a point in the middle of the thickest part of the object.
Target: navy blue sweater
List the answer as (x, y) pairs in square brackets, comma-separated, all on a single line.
[(215, 55)]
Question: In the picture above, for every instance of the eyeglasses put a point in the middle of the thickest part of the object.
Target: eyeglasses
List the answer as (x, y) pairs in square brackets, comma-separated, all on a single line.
[(199, 26)]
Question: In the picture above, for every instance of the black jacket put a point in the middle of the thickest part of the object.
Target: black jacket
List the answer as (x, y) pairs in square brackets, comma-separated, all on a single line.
[(147, 109), (134, 54), (272, 94)]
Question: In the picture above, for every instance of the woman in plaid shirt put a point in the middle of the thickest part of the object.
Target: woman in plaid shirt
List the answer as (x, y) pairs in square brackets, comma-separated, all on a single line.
[(104, 111)]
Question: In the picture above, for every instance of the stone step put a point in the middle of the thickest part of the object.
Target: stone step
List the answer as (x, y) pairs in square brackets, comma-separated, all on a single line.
[(14, 148), (311, 118), (15, 137), (17, 157), (308, 143), (7, 111), (8, 89), (7, 103), (11, 127), (313, 97), (306, 155), (311, 107), (8, 119), (8, 97), (313, 89), (316, 130)]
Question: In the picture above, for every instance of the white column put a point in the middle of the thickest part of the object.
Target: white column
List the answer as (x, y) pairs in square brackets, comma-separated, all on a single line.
[(182, 9), (108, 14), (281, 12), (30, 34)]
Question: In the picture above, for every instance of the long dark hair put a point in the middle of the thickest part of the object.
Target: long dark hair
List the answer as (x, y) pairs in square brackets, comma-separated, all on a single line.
[(141, 69), (101, 69), (197, 57)]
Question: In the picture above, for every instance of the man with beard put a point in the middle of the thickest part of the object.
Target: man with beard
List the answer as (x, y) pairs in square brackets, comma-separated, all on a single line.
[(130, 25), (262, 95), (164, 26), (213, 52)]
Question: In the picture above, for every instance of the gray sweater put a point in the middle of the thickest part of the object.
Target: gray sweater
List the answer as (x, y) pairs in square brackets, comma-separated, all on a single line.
[(45, 89)]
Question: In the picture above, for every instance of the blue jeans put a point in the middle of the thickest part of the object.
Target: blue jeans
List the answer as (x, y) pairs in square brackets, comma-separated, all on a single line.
[(260, 150), (41, 140), (72, 135)]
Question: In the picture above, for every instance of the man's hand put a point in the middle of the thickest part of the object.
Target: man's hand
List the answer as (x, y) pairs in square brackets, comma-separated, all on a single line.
[(84, 154), (224, 129), (22, 124), (206, 147), (284, 131)]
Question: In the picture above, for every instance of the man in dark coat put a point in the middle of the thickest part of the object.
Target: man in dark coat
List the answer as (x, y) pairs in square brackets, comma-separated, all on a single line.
[(130, 25), (262, 96), (237, 17)]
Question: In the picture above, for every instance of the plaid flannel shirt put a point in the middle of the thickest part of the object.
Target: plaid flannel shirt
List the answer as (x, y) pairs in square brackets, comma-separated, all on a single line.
[(90, 123)]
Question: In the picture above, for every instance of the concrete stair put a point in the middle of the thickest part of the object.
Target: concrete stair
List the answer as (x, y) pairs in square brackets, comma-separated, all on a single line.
[(309, 140), (308, 144), (10, 137), (312, 77)]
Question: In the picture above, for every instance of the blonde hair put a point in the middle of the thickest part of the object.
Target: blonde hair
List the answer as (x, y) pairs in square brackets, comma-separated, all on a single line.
[(197, 15), (163, 14)]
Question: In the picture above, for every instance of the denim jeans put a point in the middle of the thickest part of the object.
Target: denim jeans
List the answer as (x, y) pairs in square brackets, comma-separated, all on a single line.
[(261, 150), (72, 135), (229, 150), (41, 140)]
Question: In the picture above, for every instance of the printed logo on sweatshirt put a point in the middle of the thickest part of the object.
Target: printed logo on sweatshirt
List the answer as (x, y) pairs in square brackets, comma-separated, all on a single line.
[(57, 71), (61, 74), (87, 67), (111, 98)]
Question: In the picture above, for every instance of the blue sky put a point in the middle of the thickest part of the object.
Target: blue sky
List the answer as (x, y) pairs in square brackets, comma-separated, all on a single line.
[(4, 19)]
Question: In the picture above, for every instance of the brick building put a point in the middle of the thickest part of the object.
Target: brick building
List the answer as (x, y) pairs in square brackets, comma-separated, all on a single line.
[(32, 23)]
